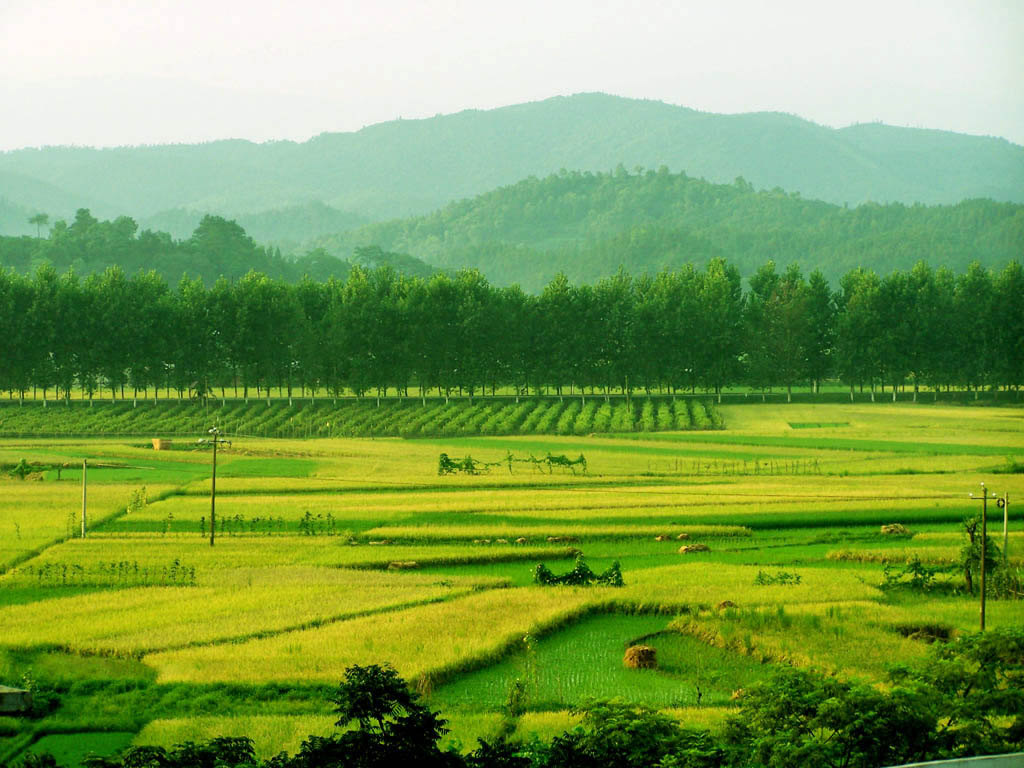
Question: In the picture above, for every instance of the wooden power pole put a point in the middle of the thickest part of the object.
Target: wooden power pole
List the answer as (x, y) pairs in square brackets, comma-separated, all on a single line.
[(214, 439), (85, 470)]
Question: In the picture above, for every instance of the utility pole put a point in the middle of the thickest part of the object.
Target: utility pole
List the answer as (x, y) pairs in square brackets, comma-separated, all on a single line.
[(984, 546), (1004, 504), (213, 440), (85, 469)]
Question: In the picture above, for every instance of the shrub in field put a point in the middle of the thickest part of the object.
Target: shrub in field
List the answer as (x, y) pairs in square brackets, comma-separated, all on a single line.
[(494, 423), (529, 424), (666, 418), (416, 420), (584, 422), (546, 422), (462, 415), (511, 422), (717, 422), (580, 575), (764, 578), (682, 414), (603, 418), (476, 419), (436, 425), (914, 575), (647, 421), (698, 415), (623, 417), (567, 420)]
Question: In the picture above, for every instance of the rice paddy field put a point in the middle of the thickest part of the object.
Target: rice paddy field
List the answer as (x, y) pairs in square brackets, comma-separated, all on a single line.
[(750, 545)]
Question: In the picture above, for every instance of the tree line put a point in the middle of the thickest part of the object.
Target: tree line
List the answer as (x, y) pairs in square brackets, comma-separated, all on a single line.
[(217, 247), (378, 331)]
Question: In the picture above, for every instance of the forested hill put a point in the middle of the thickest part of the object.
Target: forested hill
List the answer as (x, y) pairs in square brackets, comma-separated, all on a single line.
[(407, 167), (587, 225)]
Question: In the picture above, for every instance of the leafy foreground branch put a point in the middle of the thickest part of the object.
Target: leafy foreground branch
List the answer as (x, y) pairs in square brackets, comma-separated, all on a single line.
[(966, 699)]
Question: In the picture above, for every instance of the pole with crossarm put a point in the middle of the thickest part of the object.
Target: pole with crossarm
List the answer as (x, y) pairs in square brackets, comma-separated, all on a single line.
[(214, 439)]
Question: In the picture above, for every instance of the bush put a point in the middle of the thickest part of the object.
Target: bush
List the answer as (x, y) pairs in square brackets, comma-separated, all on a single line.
[(567, 421), (699, 418), (799, 718), (585, 419), (579, 576), (603, 418), (666, 419), (647, 422), (682, 413), (623, 418)]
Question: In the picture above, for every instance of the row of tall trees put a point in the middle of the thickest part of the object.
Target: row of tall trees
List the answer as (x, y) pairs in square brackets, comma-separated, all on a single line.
[(380, 331)]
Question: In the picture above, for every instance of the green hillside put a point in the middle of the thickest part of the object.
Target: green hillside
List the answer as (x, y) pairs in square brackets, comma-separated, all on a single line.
[(587, 225), (407, 167)]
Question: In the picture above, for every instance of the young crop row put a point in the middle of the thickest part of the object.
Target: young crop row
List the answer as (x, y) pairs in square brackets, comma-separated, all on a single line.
[(122, 573), (360, 418)]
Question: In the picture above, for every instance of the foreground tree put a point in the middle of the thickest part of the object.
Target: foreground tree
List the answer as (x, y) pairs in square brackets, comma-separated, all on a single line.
[(975, 687), (391, 726), (800, 718)]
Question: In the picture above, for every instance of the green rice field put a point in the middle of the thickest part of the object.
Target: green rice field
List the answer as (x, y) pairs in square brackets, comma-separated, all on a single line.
[(749, 537)]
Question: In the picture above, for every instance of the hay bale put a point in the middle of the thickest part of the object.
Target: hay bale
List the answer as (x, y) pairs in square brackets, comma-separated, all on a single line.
[(682, 537), (688, 548), (895, 529), (725, 604), (403, 565), (640, 657)]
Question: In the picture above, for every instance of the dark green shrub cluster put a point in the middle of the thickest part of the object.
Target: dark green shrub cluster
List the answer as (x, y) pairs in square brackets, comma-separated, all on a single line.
[(782, 577), (580, 576), (915, 576)]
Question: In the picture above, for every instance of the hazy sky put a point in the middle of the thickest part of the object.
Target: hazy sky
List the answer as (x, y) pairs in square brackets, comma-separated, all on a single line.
[(107, 72)]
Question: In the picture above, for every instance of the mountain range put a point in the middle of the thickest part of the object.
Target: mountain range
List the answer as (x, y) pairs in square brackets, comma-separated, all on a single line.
[(286, 191)]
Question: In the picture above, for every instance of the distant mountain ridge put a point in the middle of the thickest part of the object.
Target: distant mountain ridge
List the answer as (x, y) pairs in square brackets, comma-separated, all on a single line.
[(407, 167)]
